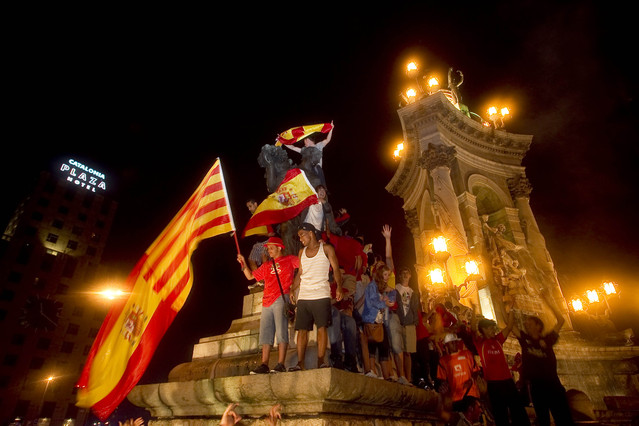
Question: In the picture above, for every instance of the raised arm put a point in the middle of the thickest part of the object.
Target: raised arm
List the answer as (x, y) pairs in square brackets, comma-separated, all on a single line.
[(386, 232), (553, 307), (510, 323), (247, 271)]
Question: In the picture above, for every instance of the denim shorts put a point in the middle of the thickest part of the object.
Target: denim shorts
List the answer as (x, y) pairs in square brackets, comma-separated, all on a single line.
[(273, 323)]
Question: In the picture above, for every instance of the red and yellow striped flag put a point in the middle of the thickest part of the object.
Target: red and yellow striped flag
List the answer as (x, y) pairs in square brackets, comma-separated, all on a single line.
[(160, 283), (294, 194), (296, 133)]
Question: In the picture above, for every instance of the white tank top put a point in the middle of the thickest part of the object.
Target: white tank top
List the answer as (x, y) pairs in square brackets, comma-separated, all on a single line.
[(314, 279)]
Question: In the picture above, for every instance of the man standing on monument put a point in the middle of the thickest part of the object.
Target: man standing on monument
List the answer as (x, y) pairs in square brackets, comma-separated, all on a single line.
[(314, 297), (502, 391), (277, 275), (539, 367)]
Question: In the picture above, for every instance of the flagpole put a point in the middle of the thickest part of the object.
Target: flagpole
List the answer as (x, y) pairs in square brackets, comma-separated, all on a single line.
[(237, 244)]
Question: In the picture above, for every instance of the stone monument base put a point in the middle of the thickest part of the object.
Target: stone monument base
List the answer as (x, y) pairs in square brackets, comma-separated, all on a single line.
[(312, 397)]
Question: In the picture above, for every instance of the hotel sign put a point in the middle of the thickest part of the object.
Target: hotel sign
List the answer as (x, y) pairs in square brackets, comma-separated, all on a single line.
[(83, 176)]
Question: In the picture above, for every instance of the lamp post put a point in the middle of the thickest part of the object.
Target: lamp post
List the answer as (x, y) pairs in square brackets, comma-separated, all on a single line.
[(48, 380), (441, 255), (498, 116)]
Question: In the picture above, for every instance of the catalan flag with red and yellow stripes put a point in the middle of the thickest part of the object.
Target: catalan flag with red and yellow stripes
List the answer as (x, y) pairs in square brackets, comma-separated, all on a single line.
[(159, 283), (294, 134)]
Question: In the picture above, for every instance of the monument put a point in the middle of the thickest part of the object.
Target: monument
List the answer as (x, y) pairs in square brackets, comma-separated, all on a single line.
[(462, 182), (463, 185)]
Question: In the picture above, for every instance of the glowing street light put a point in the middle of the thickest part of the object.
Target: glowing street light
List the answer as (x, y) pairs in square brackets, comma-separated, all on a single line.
[(592, 296), (577, 305), (111, 293), (497, 117), (48, 380), (609, 288), (436, 276), (411, 67), (398, 151), (439, 245), (471, 268)]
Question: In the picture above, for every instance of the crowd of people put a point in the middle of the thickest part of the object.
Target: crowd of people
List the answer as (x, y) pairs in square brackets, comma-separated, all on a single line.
[(371, 319)]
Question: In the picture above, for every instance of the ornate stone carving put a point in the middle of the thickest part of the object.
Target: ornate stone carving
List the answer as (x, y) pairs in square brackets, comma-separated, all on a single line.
[(437, 156), (519, 187), (412, 219)]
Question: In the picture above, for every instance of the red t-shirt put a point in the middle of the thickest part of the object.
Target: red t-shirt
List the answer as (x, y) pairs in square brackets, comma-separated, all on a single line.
[(492, 357), (286, 266), (457, 369), (347, 250)]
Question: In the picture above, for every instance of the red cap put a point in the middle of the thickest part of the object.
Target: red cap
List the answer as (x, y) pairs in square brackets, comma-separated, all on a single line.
[(276, 241)]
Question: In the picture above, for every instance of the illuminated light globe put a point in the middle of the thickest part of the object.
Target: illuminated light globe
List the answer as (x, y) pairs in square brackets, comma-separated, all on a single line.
[(439, 245), (504, 112), (412, 66), (411, 94), (609, 288), (398, 151), (592, 295), (436, 276), (577, 305), (472, 268)]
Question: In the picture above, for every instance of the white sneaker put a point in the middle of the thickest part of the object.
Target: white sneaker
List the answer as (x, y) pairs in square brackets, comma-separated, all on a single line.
[(371, 375), (402, 380)]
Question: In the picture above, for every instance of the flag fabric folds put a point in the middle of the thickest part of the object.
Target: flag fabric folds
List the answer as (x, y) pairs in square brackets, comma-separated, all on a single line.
[(292, 196), (293, 135), (160, 284)]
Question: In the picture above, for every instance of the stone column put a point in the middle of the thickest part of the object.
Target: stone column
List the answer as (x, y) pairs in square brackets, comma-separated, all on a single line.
[(520, 189), (437, 159)]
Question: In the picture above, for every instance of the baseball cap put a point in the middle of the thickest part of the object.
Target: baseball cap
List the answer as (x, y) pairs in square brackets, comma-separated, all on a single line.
[(450, 338), (276, 241), (307, 227)]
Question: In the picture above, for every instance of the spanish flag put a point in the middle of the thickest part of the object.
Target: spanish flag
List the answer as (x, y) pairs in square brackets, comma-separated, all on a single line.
[(294, 194), (293, 135), (159, 283)]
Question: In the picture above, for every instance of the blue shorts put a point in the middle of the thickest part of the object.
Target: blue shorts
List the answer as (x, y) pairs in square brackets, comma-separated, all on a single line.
[(273, 323)]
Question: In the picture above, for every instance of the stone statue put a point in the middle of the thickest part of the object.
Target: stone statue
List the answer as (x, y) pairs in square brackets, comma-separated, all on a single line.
[(453, 85), (276, 163)]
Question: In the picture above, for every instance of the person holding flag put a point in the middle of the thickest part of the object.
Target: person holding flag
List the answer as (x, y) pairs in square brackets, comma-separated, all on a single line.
[(307, 133), (277, 274)]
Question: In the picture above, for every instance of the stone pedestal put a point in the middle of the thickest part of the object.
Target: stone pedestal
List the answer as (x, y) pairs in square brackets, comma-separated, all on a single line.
[(311, 397), (199, 391)]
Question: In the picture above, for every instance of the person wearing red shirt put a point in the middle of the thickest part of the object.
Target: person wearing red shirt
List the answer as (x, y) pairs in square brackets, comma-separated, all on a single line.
[(273, 321), (457, 369), (502, 391)]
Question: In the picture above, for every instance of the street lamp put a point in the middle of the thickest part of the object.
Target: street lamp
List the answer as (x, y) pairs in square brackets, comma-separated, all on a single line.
[(577, 304), (498, 116), (398, 151), (48, 380)]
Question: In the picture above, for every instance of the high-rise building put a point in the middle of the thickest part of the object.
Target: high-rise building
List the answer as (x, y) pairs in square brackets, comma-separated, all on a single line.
[(49, 259)]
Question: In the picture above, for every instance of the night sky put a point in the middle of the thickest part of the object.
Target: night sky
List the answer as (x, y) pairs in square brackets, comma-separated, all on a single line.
[(152, 97)]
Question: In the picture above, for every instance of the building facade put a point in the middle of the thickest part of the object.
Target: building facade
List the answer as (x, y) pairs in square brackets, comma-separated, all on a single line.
[(50, 257)]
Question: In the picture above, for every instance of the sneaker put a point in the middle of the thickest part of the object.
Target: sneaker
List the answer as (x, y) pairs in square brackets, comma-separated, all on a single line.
[(262, 369), (279, 368), (402, 380), (296, 367), (371, 375)]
